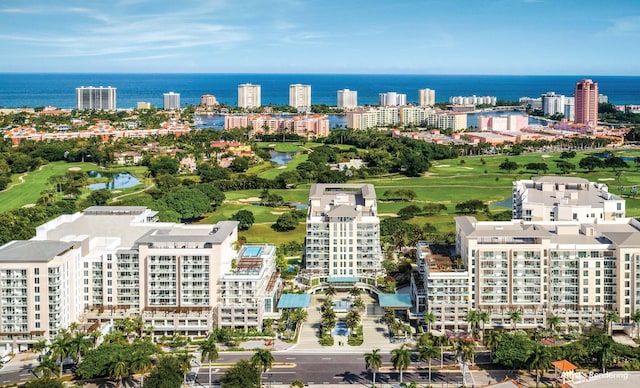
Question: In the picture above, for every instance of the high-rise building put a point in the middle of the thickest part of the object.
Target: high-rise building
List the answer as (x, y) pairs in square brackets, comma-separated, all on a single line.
[(176, 277), (92, 98), (343, 234), (392, 99), (300, 96), (249, 96), (427, 97), (347, 99), (171, 101), (553, 103), (208, 100), (586, 103)]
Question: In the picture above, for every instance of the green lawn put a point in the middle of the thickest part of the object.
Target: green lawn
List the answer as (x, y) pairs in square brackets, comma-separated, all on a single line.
[(35, 182)]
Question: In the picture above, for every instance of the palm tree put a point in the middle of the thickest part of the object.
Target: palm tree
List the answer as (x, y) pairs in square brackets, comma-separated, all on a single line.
[(119, 370), (635, 317), (47, 366), (465, 350), (427, 353), (539, 360), (352, 319), (358, 303), (94, 337), (554, 322), (609, 318), (141, 364), (373, 361), (401, 359), (39, 346), (441, 341), (429, 318), (60, 347), (472, 321), (80, 344), (491, 340), (184, 360), (262, 360), (330, 291), (209, 351), (355, 292), (483, 317), (515, 316)]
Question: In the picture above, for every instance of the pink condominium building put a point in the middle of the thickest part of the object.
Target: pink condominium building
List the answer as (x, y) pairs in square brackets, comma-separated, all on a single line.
[(586, 102)]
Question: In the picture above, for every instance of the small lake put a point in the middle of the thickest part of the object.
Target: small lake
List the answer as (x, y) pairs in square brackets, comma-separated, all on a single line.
[(281, 158), (121, 180), (507, 202)]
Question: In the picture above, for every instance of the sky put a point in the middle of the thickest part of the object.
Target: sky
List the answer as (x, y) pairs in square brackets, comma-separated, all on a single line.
[(522, 37)]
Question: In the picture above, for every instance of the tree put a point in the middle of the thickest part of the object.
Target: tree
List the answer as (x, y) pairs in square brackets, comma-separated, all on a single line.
[(189, 203), (245, 219), (286, 222), (512, 350), (209, 352), (352, 320), (615, 162), (537, 167), (241, 375), (330, 291), (635, 317), (47, 367), (297, 383), (508, 166), (609, 318), (44, 382), (409, 212), (590, 163), (553, 321), (429, 318), (141, 364), (427, 352), (80, 343), (472, 321), (565, 167), (167, 373), (355, 292), (184, 362), (119, 370), (401, 359), (373, 361), (483, 318), (240, 164), (61, 347), (262, 360), (465, 350), (99, 197), (515, 316), (539, 360)]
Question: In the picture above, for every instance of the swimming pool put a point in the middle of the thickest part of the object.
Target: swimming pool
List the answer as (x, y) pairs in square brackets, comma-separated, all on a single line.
[(341, 329), (251, 252)]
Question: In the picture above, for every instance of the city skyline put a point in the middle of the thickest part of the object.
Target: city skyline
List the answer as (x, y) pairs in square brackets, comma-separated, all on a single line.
[(293, 36)]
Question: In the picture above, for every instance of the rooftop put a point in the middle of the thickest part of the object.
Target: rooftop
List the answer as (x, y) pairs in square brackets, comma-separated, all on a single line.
[(33, 251)]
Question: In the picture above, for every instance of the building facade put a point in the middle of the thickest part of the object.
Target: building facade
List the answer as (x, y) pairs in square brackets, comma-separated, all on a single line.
[(112, 262), (343, 234), (392, 99), (249, 96), (426, 97), (171, 101), (550, 198), (300, 96), (586, 103), (92, 98), (347, 99), (473, 100), (208, 100), (553, 103)]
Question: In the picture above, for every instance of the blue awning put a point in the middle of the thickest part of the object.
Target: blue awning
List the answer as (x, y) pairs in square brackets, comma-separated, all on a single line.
[(294, 301), (395, 300), (344, 279)]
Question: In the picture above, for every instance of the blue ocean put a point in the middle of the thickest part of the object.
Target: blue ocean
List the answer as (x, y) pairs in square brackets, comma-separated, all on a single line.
[(35, 90)]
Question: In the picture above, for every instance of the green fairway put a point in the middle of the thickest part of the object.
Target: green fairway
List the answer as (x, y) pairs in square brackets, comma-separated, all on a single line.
[(34, 182)]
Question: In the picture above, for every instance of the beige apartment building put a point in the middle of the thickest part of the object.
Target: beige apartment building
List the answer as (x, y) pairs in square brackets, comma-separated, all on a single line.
[(574, 269), (555, 198), (112, 262)]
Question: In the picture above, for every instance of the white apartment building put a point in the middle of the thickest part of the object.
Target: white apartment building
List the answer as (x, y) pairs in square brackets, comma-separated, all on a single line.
[(300, 96), (347, 99), (342, 245), (392, 99), (250, 290), (555, 198), (111, 262), (473, 100), (553, 103), (92, 98), (249, 96), (366, 118), (426, 97), (171, 101)]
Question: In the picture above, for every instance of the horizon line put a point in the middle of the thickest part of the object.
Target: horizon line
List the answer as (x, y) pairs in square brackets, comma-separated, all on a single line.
[(329, 73)]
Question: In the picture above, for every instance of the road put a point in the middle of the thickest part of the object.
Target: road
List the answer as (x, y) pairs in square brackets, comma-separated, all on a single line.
[(330, 368)]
